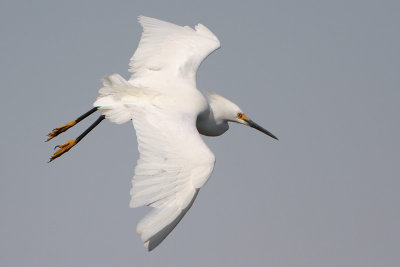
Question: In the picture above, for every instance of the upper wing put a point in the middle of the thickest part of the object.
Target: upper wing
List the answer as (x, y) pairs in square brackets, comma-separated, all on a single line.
[(174, 163), (170, 49)]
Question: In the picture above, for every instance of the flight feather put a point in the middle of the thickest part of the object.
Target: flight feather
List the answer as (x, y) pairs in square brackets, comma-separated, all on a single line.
[(173, 49)]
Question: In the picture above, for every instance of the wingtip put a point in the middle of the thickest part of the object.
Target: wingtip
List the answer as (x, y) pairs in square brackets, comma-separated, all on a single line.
[(141, 18), (148, 20)]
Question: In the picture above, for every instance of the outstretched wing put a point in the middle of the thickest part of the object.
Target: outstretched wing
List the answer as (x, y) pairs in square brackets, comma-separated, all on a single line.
[(167, 49), (174, 163)]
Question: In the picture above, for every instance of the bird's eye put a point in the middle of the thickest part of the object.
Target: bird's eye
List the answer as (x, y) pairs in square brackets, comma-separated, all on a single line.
[(240, 115)]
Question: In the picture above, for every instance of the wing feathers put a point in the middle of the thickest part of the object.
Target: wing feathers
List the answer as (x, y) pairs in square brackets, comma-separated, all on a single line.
[(156, 226), (169, 171), (174, 161), (168, 48)]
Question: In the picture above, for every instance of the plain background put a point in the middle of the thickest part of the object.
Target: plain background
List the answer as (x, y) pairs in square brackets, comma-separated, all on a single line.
[(321, 75)]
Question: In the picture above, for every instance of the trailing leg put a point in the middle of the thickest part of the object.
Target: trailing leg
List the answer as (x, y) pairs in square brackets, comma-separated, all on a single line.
[(65, 127), (69, 144)]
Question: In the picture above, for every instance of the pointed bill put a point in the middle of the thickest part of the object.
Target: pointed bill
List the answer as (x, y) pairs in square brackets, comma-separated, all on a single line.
[(254, 125)]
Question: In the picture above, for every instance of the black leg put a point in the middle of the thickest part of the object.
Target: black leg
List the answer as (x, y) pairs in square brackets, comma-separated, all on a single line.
[(65, 127), (91, 127), (69, 144)]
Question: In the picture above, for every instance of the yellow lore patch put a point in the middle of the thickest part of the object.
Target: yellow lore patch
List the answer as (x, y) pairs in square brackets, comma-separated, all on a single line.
[(242, 116)]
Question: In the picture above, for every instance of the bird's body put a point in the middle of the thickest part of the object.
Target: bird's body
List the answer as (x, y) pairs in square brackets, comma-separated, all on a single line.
[(169, 114)]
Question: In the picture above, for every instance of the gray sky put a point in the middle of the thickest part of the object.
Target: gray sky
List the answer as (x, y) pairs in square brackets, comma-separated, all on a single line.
[(321, 75)]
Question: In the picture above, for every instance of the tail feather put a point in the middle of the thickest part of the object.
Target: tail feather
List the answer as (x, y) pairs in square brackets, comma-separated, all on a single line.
[(113, 99)]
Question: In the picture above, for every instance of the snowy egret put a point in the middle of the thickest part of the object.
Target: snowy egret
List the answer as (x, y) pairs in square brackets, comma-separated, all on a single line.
[(168, 113)]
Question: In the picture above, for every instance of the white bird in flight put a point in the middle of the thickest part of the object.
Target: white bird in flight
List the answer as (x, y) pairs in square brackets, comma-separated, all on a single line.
[(169, 114)]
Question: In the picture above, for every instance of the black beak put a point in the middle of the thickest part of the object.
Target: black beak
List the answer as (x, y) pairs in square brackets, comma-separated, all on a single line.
[(254, 125)]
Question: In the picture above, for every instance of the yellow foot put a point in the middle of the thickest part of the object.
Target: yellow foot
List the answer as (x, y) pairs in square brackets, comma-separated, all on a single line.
[(62, 149), (60, 129)]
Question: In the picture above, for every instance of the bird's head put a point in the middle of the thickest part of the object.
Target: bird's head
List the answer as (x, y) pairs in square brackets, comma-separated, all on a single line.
[(225, 110)]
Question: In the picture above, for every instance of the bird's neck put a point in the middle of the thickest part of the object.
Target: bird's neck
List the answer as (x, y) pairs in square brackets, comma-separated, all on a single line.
[(210, 125)]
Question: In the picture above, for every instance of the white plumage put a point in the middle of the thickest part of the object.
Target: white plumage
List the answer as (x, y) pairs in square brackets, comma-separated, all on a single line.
[(168, 113), (168, 174), (166, 50)]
